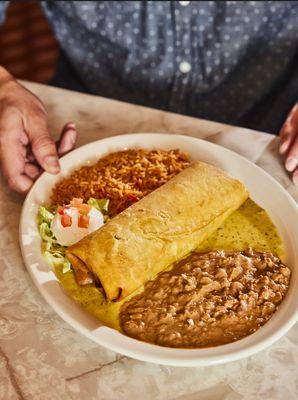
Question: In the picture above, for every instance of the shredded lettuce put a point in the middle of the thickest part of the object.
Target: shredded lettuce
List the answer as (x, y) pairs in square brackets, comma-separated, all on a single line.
[(100, 204), (45, 215), (51, 249), (46, 233)]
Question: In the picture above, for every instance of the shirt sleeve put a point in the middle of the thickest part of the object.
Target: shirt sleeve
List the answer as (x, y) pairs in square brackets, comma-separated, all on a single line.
[(3, 7)]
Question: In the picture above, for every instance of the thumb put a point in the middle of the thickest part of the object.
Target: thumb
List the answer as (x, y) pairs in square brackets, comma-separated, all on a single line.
[(43, 146)]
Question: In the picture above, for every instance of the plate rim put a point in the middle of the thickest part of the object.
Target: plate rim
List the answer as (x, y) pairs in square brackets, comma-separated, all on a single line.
[(174, 360)]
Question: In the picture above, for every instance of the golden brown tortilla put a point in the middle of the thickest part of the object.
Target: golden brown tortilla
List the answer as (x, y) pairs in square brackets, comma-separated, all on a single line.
[(158, 230)]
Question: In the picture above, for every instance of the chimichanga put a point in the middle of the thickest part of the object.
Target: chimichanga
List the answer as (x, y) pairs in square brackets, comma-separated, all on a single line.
[(160, 229)]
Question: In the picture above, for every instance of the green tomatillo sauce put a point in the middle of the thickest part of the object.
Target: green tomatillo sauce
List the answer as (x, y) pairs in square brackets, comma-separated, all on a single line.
[(249, 226)]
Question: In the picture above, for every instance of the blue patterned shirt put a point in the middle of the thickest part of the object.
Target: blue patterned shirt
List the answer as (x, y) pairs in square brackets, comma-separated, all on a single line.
[(228, 61)]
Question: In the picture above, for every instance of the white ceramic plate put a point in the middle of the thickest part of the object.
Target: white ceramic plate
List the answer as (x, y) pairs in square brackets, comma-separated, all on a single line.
[(263, 189)]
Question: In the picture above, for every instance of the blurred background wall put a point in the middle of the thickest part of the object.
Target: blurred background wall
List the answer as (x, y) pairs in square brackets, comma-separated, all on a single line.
[(27, 46)]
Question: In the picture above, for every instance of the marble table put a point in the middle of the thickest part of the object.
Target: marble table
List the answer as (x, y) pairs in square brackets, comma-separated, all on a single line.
[(42, 357)]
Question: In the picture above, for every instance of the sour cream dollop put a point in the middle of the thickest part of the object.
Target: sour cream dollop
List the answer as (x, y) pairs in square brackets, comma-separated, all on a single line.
[(69, 225)]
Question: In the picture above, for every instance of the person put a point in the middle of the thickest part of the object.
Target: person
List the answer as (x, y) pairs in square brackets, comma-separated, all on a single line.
[(229, 61)]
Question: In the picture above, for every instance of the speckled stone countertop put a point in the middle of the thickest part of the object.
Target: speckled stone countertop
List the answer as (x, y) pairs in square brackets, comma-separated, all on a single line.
[(41, 357)]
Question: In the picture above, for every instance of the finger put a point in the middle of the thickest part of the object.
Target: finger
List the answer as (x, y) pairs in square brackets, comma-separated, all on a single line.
[(65, 144), (12, 163), (287, 140), (23, 138), (289, 131), (13, 151), (67, 139), (32, 171), (292, 158), (295, 177), (287, 135), (43, 146), (21, 183)]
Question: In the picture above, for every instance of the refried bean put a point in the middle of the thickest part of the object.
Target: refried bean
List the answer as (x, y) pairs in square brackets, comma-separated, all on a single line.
[(207, 299)]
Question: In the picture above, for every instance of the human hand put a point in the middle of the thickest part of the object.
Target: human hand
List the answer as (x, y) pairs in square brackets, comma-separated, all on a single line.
[(26, 147), (289, 143)]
